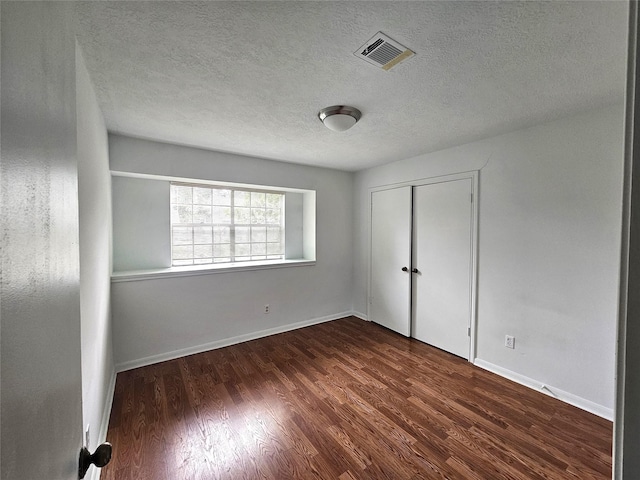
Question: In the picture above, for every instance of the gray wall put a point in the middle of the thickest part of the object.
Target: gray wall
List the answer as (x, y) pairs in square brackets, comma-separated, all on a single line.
[(41, 379), (549, 243), (94, 194), (156, 319)]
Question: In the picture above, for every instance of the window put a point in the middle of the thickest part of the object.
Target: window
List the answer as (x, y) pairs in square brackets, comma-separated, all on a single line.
[(211, 224)]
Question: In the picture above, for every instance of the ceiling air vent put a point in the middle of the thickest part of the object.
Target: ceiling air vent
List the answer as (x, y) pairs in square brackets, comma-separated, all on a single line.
[(383, 52)]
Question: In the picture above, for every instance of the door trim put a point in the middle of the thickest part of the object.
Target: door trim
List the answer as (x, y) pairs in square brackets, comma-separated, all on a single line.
[(474, 175)]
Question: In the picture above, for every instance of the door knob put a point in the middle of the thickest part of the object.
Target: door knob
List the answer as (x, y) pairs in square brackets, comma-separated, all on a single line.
[(405, 269), (415, 270), (100, 458)]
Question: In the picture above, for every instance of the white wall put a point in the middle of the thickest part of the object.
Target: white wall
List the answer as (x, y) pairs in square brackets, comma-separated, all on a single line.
[(141, 227), (549, 242), (160, 318), (94, 199), (294, 222), (41, 378)]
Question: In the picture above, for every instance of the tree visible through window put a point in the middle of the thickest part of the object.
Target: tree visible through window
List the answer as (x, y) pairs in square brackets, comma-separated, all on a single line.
[(221, 225)]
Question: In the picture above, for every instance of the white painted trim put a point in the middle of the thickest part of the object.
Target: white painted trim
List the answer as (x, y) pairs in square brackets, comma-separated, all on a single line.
[(570, 398), (162, 357), (188, 271), (167, 178), (94, 473), (475, 214), (427, 181), (361, 316), (106, 414)]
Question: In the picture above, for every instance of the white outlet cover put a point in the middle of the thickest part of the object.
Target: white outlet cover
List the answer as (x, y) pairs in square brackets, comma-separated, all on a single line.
[(509, 341)]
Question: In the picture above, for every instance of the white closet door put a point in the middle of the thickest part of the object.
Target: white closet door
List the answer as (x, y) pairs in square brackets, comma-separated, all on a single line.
[(390, 287), (442, 243)]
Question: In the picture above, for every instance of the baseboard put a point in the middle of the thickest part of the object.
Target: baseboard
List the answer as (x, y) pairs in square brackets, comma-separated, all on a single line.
[(571, 399), (106, 414), (361, 316), (163, 357)]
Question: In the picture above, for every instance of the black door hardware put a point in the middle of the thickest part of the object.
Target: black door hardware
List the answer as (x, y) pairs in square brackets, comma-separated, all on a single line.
[(100, 458)]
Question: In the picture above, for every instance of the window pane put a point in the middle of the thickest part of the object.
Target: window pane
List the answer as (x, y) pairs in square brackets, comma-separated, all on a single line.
[(273, 234), (202, 235), (202, 196), (258, 234), (243, 249), (181, 194), (258, 249), (257, 216), (181, 214), (182, 236), (225, 225), (274, 200), (242, 199), (222, 234), (274, 249), (273, 216), (242, 234), (242, 215), (201, 214), (182, 252), (202, 251), (221, 197), (223, 250), (222, 215), (258, 199)]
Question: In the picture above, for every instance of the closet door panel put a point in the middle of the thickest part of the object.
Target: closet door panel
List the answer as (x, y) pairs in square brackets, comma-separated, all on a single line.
[(442, 255), (390, 285)]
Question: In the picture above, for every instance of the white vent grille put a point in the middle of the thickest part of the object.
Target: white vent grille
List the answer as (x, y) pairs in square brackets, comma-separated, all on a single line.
[(383, 52)]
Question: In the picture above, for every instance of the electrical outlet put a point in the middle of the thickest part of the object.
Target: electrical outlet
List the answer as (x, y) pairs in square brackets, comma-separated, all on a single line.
[(509, 341), (266, 308), (87, 435)]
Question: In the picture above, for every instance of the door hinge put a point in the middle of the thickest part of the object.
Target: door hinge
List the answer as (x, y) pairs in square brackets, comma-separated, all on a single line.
[(468, 331), (472, 198)]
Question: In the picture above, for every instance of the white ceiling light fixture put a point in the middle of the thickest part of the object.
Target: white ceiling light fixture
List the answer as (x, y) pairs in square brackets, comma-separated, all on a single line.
[(339, 117)]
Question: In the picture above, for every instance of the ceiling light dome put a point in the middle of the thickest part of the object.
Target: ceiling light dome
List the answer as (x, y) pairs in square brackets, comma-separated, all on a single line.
[(339, 117)]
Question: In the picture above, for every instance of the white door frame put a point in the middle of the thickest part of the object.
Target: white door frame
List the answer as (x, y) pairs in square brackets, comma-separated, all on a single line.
[(474, 176)]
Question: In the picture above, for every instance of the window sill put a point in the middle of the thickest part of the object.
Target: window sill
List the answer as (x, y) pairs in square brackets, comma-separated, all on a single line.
[(191, 270)]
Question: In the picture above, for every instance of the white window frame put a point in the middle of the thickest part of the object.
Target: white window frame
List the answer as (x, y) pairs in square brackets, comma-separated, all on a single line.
[(233, 256)]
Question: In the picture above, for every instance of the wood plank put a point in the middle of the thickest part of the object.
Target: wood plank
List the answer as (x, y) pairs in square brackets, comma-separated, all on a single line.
[(346, 400)]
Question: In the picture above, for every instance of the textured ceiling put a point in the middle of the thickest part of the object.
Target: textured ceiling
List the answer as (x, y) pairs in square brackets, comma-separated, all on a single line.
[(250, 77)]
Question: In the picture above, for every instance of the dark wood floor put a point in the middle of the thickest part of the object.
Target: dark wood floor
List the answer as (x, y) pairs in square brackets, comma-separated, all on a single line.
[(343, 400)]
